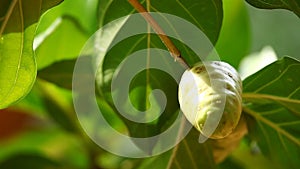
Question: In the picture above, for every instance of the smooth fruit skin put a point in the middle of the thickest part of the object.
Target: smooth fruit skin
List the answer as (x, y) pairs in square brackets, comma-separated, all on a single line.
[(210, 96)]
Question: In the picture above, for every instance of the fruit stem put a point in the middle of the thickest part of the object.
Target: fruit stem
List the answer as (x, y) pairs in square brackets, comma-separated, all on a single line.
[(164, 38)]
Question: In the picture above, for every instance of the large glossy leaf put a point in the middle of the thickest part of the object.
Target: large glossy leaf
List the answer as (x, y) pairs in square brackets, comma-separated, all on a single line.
[(148, 78), (17, 28), (63, 31), (64, 41), (205, 14), (292, 5), (188, 154), (272, 99)]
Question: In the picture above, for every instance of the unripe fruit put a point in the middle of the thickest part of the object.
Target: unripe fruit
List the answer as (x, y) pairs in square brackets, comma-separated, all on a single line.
[(210, 97)]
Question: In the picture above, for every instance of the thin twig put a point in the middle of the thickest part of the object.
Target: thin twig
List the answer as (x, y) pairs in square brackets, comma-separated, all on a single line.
[(164, 38)]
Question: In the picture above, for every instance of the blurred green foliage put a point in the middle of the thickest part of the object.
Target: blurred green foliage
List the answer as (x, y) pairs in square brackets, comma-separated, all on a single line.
[(42, 131)]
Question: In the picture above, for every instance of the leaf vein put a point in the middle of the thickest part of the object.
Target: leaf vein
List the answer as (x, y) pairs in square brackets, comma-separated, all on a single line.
[(267, 96), (274, 126), (289, 123), (189, 13), (190, 153), (265, 134), (294, 92), (265, 113), (274, 80), (21, 51)]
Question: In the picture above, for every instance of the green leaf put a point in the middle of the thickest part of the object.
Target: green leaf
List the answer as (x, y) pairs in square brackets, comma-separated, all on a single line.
[(59, 73), (29, 161), (63, 31), (230, 163), (189, 153), (234, 40), (17, 28), (292, 5), (59, 106), (262, 21), (192, 154), (47, 140), (249, 156), (205, 14), (272, 98), (139, 93)]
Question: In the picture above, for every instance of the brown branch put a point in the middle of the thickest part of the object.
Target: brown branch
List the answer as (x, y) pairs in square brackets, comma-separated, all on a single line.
[(164, 38)]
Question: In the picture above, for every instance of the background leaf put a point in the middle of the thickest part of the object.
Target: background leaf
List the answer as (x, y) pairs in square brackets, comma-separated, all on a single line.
[(62, 33), (234, 41), (49, 141), (277, 4), (59, 73), (277, 29), (33, 130), (206, 14), (248, 156), (29, 161), (59, 106), (272, 99), (17, 62)]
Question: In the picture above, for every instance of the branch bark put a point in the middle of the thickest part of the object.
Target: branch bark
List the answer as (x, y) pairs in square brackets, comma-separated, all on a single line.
[(162, 35)]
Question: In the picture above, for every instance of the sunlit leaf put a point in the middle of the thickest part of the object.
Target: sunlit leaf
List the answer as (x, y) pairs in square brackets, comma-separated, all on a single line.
[(272, 98), (63, 31), (293, 5), (17, 29)]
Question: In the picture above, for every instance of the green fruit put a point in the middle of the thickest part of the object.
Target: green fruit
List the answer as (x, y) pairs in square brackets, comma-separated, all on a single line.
[(210, 97)]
